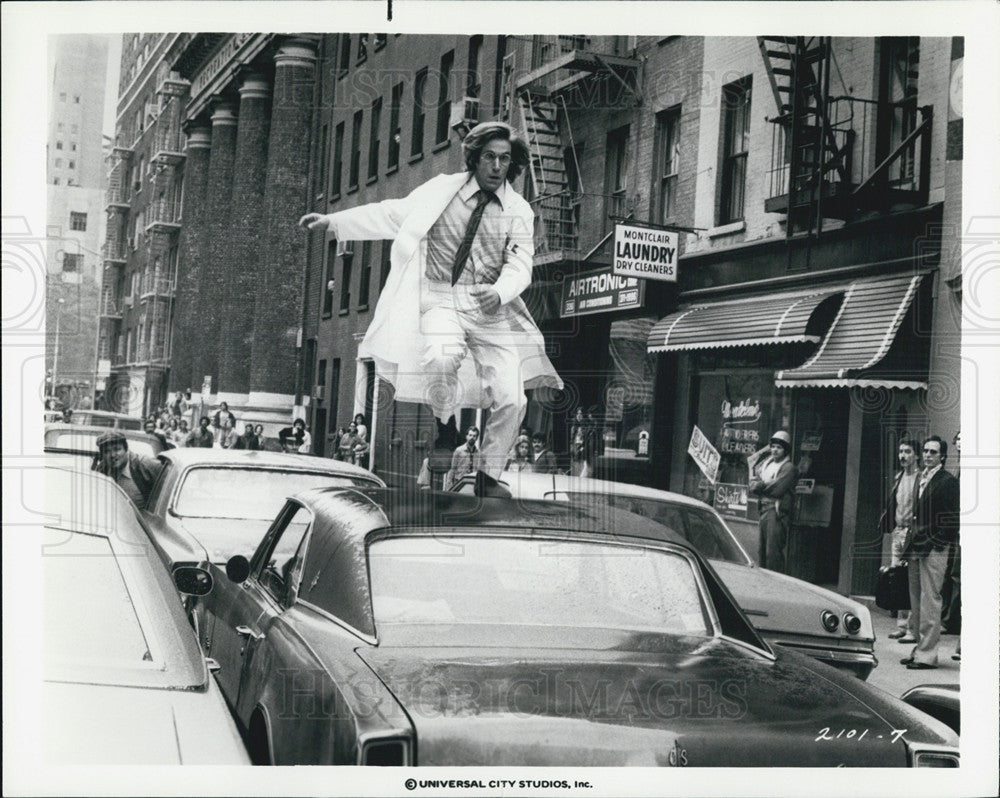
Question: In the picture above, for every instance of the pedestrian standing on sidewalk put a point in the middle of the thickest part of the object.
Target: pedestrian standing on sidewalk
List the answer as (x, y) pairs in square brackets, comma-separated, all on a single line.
[(543, 458), (248, 440), (465, 459), (227, 436), (450, 328), (935, 531), (774, 486), (201, 437), (897, 520), (295, 438)]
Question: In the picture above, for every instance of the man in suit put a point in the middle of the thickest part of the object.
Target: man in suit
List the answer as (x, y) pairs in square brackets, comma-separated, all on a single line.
[(450, 329), (935, 531), (544, 459), (897, 520), (465, 459), (774, 485)]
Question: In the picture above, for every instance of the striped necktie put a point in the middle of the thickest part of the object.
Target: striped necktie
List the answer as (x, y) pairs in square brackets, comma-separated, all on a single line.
[(482, 200)]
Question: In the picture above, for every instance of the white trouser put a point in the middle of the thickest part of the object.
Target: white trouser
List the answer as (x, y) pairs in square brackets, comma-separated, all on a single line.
[(452, 326)]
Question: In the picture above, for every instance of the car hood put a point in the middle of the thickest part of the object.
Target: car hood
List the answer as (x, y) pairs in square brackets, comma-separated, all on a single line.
[(106, 725), (625, 699), (778, 603), (224, 537)]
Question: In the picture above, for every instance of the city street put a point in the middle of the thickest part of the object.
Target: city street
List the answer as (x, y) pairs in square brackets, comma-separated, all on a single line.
[(892, 676)]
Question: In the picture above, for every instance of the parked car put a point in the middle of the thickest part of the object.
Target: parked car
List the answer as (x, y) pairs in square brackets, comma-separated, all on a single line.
[(787, 611), (941, 701), (209, 504), (124, 679), (373, 626), (105, 418), (80, 441)]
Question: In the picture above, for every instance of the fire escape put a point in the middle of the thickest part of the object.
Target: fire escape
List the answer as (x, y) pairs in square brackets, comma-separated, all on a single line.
[(837, 156), (539, 72)]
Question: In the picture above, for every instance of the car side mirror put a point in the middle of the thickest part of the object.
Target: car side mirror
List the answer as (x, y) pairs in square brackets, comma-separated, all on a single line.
[(238, 568), (192, 580)]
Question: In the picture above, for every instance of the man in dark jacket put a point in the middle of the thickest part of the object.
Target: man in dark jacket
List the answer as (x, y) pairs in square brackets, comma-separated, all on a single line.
[(134, 473), (774, 486), (544, 458), (935, 531), (249, 439)]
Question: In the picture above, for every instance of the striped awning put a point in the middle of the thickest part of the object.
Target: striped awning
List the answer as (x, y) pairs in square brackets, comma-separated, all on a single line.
[(775, 319), (860, 337)]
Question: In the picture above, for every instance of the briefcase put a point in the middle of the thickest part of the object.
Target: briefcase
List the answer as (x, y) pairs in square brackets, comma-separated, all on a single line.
[(892, 587)]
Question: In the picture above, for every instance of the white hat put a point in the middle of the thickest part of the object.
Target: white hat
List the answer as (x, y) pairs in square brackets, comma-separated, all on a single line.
[(783, 438)]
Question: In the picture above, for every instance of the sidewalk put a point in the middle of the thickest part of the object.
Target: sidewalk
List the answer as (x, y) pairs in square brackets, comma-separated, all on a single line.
[(893, 677)]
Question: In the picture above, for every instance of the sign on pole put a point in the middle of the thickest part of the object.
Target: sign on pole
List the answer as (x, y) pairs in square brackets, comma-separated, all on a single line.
[(645, 253), (705, 455)]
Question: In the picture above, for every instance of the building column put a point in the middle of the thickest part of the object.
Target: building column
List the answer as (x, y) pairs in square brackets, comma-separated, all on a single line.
[(277, 317), (248, 230), (190, 258), (214, 274)]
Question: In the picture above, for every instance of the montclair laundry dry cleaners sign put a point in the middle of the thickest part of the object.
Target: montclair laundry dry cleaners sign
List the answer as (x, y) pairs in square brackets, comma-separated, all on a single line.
[(645, 253)]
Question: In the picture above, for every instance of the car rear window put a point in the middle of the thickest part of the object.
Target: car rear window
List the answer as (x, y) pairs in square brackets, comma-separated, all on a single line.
[(506, 580), (253, 493), (89, 614)]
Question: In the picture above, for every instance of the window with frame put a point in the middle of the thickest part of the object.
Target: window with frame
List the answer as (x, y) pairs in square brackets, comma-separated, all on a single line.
[(395, 131), (498, 75), (72, 262), (331, 258), (373, 139), (356, 150), (617, 166), (78, 221), (58, 163), (364, 286), (282, 565), (59, 145), (338, 161), (362, 47), (345, 54), (324, 160), (444, 94), (668, 137), (386, 264), (417, 131), (735, 149), (345, 281)]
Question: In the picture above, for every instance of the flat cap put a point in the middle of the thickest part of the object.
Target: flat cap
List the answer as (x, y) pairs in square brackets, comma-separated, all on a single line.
[(109, 437)]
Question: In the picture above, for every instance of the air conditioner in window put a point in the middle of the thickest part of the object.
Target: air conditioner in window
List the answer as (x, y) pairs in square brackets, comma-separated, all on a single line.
[(319, 392), (127, 300), (345, 247)]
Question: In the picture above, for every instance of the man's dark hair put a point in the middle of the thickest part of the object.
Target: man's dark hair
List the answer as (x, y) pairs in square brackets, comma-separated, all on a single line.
[(473, 427), (913, 443), (299, 421), (485, 132), (206, 419), (538, 437), (944, 446)]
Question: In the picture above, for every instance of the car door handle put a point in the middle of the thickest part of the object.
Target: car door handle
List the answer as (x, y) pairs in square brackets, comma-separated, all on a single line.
[(247, 632)]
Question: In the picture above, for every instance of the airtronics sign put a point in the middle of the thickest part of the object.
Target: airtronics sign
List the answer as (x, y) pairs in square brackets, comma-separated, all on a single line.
[(645, 253), (600, 291)]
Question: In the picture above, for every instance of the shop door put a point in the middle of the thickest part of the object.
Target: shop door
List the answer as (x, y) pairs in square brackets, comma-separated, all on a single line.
[(820, 421)]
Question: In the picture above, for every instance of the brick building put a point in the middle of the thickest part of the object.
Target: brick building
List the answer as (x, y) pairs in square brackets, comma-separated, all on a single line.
[(75, 178), (813, 185)]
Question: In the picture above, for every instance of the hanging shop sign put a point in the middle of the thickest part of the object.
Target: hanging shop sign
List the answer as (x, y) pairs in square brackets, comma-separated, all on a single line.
[(599, 291), (645, 253), (704, 454), (731, 499)]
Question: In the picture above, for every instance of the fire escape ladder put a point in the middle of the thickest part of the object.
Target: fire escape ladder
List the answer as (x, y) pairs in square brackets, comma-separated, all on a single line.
[(547, 166)]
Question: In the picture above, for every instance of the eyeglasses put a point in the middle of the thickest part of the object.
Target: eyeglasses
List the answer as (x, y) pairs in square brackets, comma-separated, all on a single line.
[(492, 157)]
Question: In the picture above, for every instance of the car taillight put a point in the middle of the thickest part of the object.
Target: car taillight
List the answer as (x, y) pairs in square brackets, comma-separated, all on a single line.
[(852, 623), (393, 752), (830, 621), (935, 759)]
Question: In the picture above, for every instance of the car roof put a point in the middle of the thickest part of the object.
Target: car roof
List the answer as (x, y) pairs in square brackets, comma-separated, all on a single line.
[(87, 429), (534, 484), (90, 504), (197, 456)]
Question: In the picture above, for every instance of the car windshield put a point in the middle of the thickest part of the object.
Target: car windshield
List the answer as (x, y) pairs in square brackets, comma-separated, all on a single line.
[(103, 629), (87, 442), (253, 493), (507, 580), (700, 527)]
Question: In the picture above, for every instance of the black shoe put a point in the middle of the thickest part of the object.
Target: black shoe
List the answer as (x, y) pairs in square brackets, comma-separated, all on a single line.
[(920, 666), (906, 661), (487, 486)]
